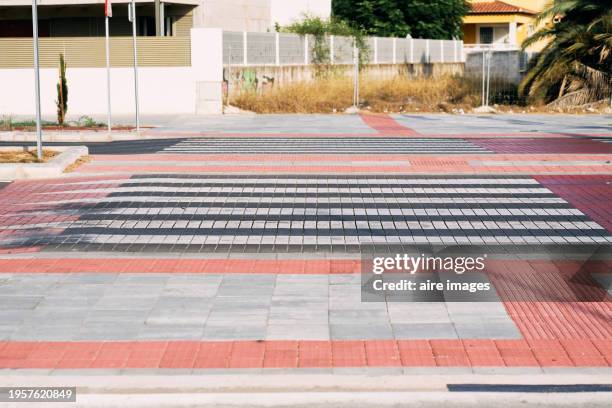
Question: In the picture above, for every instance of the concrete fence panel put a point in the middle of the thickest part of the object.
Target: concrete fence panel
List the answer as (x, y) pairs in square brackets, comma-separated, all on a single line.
[(436, 51), (402, 51), (450, 51), (292, 49), (372, 44), (385, 50), (261, 48), (420, 53), (233, 47), (343, 50)]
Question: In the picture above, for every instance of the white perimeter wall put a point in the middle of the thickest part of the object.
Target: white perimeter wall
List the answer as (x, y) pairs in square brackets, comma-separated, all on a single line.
[(234, 15), (287, 11), (256, 15), (161, 90)]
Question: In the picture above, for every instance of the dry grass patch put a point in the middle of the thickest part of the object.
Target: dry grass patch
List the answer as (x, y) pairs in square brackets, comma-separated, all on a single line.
[(80, 161), (25, 156), (330, 95)]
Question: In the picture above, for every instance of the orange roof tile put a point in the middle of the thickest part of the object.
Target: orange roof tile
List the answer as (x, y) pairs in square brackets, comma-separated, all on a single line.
[(497, 7)]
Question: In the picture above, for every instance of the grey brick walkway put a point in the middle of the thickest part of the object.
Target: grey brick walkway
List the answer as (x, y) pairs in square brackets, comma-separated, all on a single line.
[(505, 123), (227, 307)]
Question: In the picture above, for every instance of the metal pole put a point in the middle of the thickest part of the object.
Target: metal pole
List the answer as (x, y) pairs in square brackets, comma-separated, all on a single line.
[(108, 77), (39, 152), (356, 79), (133, 4), (482, 97), (488, 75), (229, 74)]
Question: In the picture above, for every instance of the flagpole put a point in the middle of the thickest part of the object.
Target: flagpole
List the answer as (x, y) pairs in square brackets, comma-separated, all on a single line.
[(135, 64), (108, 74), (39, 152)]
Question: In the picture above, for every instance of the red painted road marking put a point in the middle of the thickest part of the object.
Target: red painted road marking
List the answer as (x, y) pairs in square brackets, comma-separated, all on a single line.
[(413, 168), (172, 265), (302, 354), (498, 269), (414, 164), (591, 194), (386, 125), (343, 158), (541, 146)]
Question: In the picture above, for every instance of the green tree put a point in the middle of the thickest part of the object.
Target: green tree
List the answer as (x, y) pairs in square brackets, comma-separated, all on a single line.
[(437, 19), (576, 63)]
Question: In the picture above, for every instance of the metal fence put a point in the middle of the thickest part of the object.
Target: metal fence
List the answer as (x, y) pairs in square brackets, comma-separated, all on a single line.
[(256, 49), (496, 74)]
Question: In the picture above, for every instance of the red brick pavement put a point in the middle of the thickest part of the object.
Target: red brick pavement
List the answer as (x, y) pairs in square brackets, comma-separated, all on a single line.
[(544, 146), (568, 334), (350, 164), (590, 194), (304, 354), (386, 125)]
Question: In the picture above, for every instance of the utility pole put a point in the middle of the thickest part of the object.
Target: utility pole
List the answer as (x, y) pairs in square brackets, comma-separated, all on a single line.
[(108, 13), (132, 15), (356, 79), (39, 152)]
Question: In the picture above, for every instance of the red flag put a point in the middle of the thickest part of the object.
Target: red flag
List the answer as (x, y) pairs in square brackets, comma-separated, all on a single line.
[(108, 8)]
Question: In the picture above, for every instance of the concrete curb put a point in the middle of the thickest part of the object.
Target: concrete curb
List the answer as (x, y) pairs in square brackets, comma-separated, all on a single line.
[(311, 391), (51, 169), (70, 136), (100, 382), (340, 400)]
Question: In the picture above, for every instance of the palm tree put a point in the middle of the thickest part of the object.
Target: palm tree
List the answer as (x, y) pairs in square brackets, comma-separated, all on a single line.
[(576, 64)]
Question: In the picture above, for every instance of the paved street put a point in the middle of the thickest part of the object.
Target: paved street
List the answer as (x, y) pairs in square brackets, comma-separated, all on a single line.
[(235, 243)]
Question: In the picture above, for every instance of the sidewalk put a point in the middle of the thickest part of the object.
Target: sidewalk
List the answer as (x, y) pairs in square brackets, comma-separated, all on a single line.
[(186, 266)]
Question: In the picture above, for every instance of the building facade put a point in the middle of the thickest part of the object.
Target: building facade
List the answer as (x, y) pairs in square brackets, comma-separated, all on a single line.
[(501, 24), (85, 18)]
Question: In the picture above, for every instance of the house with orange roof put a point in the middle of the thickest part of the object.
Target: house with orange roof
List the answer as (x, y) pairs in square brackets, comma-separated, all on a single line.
[(500, 24)]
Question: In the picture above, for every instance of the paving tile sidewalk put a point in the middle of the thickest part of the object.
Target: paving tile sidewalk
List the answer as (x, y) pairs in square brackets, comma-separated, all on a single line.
[(163, 265)]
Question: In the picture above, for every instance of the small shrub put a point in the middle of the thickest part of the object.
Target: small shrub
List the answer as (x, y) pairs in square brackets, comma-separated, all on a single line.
[(6, 123), (88, 121)]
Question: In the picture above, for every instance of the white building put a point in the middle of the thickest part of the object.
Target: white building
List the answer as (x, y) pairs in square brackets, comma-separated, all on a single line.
[(256, 15), (85, 18)]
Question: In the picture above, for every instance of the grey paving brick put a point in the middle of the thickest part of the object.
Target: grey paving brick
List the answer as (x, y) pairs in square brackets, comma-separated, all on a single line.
[(234, 332), (172, 332), (303, 331), (126, 303), (19, 302), (105, 313), (363, 317), (425, 331), (360, 331)]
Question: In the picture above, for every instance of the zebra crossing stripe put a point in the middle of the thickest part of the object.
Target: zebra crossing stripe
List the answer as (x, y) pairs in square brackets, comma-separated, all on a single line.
[(322, 146), (207, 213)]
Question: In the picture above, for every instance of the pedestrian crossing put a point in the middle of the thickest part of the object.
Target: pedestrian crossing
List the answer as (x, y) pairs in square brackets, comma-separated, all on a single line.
[(331, 145), (298, 213)]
